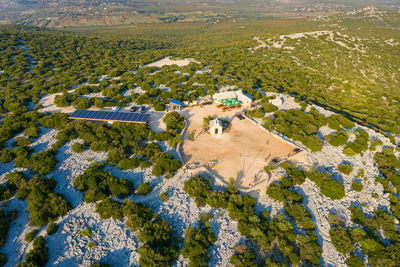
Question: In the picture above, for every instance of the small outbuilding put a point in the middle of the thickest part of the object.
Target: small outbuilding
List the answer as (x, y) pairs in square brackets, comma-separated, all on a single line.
[(216, 127), (175, 105), (233, 98)]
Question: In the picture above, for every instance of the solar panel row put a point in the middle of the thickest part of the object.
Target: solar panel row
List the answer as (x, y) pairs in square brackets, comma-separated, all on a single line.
[(109, 116)]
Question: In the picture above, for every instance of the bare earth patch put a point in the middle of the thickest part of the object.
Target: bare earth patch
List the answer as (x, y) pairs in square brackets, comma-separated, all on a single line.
[(242, 152), (168, 61)]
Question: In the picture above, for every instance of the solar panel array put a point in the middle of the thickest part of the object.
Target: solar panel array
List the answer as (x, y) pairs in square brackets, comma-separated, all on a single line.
[(110, 116)]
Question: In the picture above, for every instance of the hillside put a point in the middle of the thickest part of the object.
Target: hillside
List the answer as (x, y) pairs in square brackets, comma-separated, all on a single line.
[(306, 173), (89, 13)]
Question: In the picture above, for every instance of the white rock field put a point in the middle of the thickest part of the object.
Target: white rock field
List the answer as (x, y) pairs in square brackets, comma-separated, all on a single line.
[(117, 244)]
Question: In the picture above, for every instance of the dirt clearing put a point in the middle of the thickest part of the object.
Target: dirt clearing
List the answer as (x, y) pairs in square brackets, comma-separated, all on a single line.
[(241, 152)]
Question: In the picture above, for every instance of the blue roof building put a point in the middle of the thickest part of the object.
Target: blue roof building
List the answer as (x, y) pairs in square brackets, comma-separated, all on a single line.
[(175, 105)]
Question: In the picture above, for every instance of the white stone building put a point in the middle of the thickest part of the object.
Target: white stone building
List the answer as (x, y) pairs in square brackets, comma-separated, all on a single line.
[(216, 127)]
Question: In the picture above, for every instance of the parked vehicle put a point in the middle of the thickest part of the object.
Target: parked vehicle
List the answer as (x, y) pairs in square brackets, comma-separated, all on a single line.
[(134, 109), (142, 109), (240, 116), (116, 108)]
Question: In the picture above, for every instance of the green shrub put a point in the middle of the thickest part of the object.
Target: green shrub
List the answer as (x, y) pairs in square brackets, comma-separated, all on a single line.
[(299, 126), (174, 121), (354, 261), (313, 142), (116, 154), (96, 184), (109, 208), (31, 235), (4, 227), (348, 151), (359, 145), (21, 141), (91, 245), (57, 145), (43, 162), (66, 135), (218, 199), (206, 122), (356, 186), (299, 214), (271, 263), (39, 255), (197, 242), (61, 101), (44, 205), (243, 256), (32, 132), (337, 139), (163, 197), (309, 249), (341, 240), (333, 189), (256, 113), (388, 165), (97, 146), (131, 163), (357, 234), (158, 248), (192, 134), (357, 216), (3, 259), (333, 124), (144, 164), (86, 232), (198, 188), (57, 121), (240, 207), (166, 163), (78, 147), (137, 213), (159, 107), (143, 189), (268, 107), (303, 106), (296, 175), (7, 190), (99, 264), (346, 123), (374, 143), (278, 192), (329, 187), (19, 181), (370, 246), (81, 103), (7, 155), (37, 107), (52, 228), (345, 168)]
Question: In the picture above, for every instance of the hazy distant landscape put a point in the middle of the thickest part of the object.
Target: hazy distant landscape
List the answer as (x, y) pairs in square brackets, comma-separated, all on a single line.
[(200, 133), (65, 14)]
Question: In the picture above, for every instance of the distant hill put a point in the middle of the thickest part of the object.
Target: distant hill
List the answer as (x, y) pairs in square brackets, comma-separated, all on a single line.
[(77, 13)]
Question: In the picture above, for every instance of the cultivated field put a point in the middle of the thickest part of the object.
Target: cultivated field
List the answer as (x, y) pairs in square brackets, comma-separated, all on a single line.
[(244, 138)]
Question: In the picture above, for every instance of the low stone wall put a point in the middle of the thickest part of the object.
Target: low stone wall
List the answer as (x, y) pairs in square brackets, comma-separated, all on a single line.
[(178, 148)]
